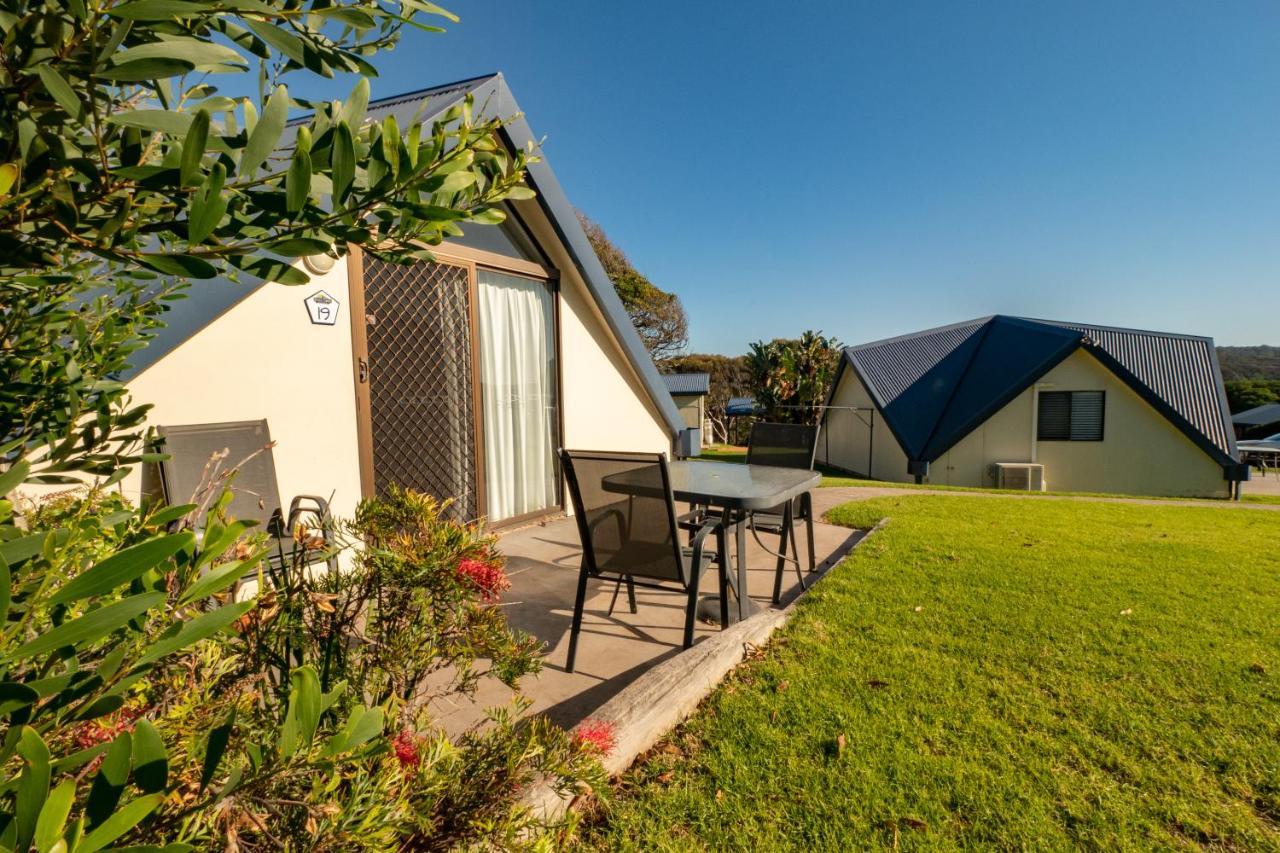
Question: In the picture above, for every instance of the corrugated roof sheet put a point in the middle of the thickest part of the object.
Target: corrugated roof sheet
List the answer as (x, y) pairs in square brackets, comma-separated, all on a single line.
[(936, 386), (740, 406), (688, 383)]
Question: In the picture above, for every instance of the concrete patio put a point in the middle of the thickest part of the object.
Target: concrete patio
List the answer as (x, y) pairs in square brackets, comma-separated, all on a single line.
[(613, 650)]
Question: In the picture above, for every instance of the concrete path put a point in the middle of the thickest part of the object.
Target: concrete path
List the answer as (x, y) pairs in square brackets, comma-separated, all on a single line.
[(826, 499)]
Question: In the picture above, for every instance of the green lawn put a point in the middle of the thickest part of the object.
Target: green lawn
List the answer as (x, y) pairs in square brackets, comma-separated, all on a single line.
[(832, 477), (995, 672)]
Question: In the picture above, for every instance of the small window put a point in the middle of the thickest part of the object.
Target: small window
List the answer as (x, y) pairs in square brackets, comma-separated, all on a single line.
[(1070, 415)]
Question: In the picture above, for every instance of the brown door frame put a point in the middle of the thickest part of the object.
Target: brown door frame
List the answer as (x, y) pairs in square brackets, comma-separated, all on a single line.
[(361, 372)]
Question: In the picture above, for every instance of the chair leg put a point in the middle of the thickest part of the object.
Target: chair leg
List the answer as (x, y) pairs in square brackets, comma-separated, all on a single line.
[(691, 609), (722, 545), (781, 566), (576, 627), (806, 506), (795, 549), (631, 593)]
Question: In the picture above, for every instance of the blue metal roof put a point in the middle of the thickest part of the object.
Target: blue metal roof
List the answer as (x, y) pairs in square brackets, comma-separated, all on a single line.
[(741, 406), (688, 383), (935, 387)]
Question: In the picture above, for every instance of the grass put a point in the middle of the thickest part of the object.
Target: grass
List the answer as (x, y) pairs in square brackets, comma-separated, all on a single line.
[(995, 673), (832, 477)]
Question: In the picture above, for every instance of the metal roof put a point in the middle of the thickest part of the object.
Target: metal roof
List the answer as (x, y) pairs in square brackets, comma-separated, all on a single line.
[(1258, 416), (688, 383), (741, 406), (936, 386)]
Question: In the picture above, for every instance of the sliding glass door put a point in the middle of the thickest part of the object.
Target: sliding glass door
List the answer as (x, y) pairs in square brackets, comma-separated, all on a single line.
[(518, 377)]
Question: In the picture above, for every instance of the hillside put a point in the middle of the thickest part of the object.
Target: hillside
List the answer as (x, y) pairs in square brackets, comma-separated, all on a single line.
[(1260, 362)]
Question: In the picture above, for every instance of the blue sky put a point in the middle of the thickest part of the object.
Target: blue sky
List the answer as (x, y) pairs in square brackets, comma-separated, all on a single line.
[(871, 169)]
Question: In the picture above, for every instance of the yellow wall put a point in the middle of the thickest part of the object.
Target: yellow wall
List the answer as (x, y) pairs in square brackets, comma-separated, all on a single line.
[(264, 359), (860, 441), (606, 406), (690, 406), (1141, 452)]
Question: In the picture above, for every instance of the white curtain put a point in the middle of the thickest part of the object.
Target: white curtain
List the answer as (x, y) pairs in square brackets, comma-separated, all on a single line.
[(518, 392)]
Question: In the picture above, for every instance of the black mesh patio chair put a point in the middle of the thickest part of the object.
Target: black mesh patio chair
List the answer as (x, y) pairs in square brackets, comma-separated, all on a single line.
[(255, 494), (626, 518), (785, 446)]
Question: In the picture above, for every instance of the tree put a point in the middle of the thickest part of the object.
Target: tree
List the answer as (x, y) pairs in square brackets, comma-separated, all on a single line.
[(657, 315), (730, 377), (1243, 394), (791, 378), (133, 713)]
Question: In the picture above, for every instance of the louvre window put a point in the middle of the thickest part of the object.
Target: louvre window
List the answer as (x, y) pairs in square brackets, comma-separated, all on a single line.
[(1070, 415)]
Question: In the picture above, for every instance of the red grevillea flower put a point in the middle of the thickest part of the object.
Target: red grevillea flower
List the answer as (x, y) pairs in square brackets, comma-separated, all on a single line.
[(90, 734), (595, 735), (488, 578), (406, 747)]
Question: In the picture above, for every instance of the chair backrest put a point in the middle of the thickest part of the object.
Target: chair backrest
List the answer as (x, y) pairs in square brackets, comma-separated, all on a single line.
[(783, 445), (255, 493), (626, 513)]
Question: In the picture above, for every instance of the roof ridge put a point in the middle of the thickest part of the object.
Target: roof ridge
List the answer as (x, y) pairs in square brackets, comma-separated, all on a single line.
[(921, 333), (955, 388), (1119, 329)]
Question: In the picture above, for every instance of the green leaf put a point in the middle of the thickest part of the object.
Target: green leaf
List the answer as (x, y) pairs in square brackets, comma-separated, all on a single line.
[(161, 120), (59, 89), (343, 161), (266, 133), (91, 626), (170, 514), (202, 627), (304, 711), (15, 696), (193, 146), (15, 551), (279, 38), (53, 817), (13, 478), (204, 55), (109, 784), (147, 69), (208, 206), (120, 822), (218, 578), (6, 592), (158, 10), (271, 269), (218, 739), (33, 785), (519, 193), (150, 760), (363, 725), (455, 181), (123, 566), (183, 266), (300, 247), (353, 110), (297, 182)]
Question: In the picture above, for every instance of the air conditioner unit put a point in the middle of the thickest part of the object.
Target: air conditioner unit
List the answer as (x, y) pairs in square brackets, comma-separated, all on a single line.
[(1021, 476)]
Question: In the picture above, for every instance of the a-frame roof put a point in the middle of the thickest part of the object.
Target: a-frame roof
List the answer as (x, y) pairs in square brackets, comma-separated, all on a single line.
[(936, 386)]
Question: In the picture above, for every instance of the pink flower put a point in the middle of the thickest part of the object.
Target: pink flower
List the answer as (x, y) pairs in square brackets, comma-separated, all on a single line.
[(596, 735), (406, 747), (488, 578)]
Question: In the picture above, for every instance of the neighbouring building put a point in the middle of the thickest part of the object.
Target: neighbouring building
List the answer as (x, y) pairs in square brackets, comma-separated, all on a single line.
[(1258, 422), (1021, 403), (460, 378), (689, 392)]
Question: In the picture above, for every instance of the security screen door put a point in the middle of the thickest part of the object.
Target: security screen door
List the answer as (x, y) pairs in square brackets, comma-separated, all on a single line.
[(423, 418)]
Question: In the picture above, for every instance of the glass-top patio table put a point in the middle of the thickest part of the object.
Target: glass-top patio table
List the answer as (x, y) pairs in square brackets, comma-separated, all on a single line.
[(736, 490)]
